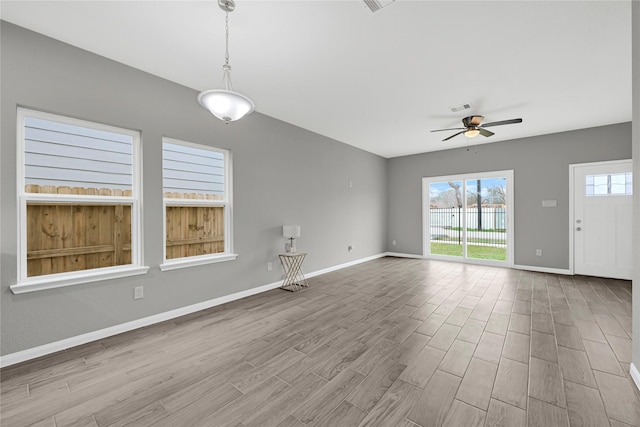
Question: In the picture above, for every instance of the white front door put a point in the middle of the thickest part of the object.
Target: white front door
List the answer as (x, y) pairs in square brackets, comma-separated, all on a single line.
[(602, 215)]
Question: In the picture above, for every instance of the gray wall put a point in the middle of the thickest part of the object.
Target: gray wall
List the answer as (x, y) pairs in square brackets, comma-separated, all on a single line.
[(282, 174), (541, 171), (636, 172)]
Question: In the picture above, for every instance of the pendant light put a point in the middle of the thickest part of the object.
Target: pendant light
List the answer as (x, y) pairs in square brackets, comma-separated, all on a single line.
[(224, 103)]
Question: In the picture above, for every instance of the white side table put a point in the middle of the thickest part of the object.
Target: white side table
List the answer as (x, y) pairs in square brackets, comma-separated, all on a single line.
[(293, 277)]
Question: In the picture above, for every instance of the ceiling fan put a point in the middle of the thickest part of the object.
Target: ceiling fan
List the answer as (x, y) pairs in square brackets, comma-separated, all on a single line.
[(473, 127)]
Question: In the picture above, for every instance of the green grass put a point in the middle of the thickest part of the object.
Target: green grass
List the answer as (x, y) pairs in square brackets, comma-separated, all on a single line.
[(478, 252)]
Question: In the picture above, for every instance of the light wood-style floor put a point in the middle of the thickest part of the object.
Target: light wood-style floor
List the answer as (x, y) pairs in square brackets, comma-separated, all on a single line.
[(391, 342)]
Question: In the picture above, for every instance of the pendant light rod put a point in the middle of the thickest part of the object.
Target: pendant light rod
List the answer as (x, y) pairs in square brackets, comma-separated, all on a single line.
[(226, 104), (226, 68), (227, 6), (226, 38)]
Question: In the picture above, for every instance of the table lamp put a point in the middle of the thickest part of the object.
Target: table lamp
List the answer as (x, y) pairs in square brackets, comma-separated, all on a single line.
[(290, 232)]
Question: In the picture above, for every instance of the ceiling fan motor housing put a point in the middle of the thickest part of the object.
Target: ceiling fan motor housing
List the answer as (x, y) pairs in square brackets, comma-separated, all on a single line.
[(472, 121)]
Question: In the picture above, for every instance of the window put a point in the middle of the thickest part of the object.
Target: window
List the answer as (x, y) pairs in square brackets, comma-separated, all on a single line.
[(78, 201), (197, 204), (619, 184)]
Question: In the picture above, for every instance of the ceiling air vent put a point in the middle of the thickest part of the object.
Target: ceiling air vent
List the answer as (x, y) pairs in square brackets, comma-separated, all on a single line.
[(460, 108), (376, 5)]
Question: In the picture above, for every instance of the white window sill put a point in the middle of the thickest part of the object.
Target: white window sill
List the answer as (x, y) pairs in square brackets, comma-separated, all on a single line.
[(52, 281), (175, 264)]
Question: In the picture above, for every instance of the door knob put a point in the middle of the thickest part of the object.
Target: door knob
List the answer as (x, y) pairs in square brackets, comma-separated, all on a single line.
[(578, 221), (578, 228)]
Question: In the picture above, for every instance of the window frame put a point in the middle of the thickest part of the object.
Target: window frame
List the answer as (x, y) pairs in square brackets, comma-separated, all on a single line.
[(464, 178), (627, 183), (55, 280), (226, 203)]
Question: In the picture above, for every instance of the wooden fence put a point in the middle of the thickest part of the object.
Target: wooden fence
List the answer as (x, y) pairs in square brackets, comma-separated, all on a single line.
[(53, 189), (194, 230), (63, 237)]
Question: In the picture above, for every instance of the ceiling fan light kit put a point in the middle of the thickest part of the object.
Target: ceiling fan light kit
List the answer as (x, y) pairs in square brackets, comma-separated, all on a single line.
[(473, 127), (226, 104)]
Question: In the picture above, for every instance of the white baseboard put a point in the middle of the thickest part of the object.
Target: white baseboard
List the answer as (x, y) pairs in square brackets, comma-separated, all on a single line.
[(543, 269), (43, 350), (401, 255), (635, 375), (345, 265), (518, 267)]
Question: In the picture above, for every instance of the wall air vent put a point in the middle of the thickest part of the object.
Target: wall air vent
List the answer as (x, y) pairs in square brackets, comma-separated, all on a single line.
[(376, 5)]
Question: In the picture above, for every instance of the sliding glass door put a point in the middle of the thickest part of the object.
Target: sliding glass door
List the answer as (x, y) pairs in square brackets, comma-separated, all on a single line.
[(468, 217)]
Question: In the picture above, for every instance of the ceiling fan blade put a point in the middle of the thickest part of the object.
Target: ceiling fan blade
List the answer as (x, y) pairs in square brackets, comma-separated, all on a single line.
[(485, 132), (502, 122), (455, 134), (441, 130)]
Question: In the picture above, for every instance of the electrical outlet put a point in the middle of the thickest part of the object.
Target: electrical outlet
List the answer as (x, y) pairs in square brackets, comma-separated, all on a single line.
[(138, 292), (350, 248), (269, 266), (393, 242), (538, 252)]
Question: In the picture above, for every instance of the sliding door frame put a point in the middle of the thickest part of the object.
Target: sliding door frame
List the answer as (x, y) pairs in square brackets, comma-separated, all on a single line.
[(426, 224)]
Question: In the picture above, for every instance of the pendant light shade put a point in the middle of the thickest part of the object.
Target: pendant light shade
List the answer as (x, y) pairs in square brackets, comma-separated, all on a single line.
[(226, 104)]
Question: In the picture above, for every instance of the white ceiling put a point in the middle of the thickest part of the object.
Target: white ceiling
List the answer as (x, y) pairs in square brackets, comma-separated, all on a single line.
[(378, 81)]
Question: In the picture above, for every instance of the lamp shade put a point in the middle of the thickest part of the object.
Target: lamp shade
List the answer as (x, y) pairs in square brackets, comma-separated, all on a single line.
[(291, 231), (226, 104)]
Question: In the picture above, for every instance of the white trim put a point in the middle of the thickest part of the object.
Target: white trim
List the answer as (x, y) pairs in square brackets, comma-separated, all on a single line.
[(401, 255), (177, 263), (75, 198), (137, 237), (51, 281), (21, 228), (43, 350), (517, 267), (635, 375), (571, 215), (470, 261), (64, 344), (572, 169), (228, 210), (194, 202), (543, 269), (345, 265), (226, 204)]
